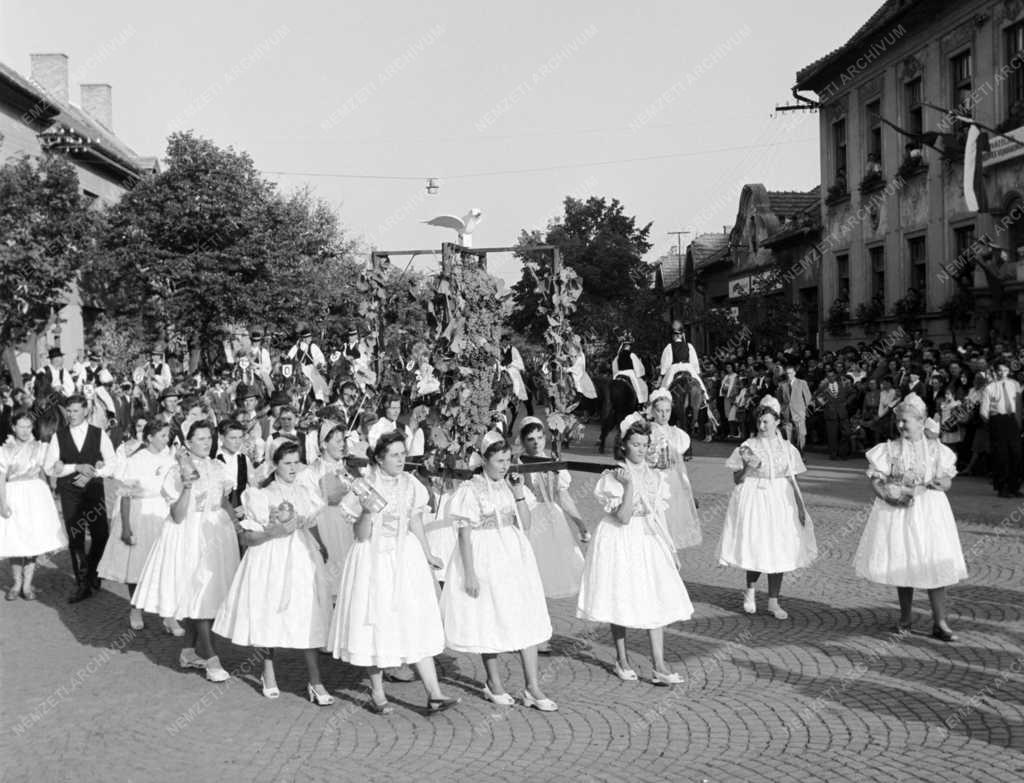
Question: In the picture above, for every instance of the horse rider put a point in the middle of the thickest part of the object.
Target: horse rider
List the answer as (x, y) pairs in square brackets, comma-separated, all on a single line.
[(311, 362), (53, 378), (512, 364), (359, 355), (259, 355), (627, 364)]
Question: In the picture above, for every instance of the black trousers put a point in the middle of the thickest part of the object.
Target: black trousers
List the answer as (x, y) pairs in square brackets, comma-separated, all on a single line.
[(1004, 437), (836, 432), (85, 509)]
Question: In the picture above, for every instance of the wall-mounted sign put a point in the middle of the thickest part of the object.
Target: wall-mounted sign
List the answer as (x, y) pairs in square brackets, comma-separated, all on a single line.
[(758, 283), (1002, 149)]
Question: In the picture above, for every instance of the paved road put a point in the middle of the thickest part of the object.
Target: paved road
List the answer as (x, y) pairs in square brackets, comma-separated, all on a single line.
[(826, 695)]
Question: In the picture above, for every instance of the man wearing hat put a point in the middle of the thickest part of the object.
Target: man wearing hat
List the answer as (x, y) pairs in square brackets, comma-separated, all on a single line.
[(89, 372), (157, 371), (256, 428), (53, 378), (170, 410), (360, 357), (311, 361), (305, 350), (259, 355), (627, 364)]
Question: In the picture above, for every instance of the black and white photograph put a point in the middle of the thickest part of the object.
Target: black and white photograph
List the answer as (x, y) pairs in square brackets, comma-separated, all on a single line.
[(590, 391)]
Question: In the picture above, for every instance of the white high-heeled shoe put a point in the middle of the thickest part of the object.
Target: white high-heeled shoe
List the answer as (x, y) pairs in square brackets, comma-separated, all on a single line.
[(214, 671), (627, 675), (320, 699), (173, 627), (504, 699), (272, 692), (544, 705)]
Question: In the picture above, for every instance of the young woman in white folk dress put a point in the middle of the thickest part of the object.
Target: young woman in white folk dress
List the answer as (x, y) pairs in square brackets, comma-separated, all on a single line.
[(329, 478), (910, 540), (493, 600), (142, 514), (279, 597), (189, 570), (559, 559), (767, 528), (387, 613), (668, 445), (29, 525), (631, 577)]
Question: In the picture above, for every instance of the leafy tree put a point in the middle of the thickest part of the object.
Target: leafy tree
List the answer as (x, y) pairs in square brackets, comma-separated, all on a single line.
[(605, 248), (46, 232), (208, 243)]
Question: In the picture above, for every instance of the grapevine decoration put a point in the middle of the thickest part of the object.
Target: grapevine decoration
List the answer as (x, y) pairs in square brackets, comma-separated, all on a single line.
[(558, 289), (466, 317)]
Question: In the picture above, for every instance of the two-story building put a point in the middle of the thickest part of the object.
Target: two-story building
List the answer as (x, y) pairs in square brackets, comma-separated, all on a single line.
[(37, 116), (902, 245)]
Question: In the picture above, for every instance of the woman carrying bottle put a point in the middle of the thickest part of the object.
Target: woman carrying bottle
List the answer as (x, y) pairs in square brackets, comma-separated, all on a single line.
[(493, 601), (189, 570), (279, 596), (911, 540), (767, 528), (668, 445), (387, 613), (631, 578)]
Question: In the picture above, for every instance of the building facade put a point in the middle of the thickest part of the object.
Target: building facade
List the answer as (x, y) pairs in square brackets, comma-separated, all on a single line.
[(37, 116), (903, 246), (751, 276)]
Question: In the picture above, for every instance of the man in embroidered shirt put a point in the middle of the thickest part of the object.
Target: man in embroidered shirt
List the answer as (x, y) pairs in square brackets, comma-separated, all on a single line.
[(79, 456), (1001, 408)]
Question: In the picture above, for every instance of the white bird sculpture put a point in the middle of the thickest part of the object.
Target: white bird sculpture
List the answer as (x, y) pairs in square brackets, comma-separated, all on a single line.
[(463, 225)]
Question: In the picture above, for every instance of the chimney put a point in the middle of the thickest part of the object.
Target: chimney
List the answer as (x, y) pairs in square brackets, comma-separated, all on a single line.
[(50, 71), (97, 104)]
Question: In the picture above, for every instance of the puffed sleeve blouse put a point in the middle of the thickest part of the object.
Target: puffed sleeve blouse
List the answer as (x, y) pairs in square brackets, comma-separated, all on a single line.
[(480, 501)]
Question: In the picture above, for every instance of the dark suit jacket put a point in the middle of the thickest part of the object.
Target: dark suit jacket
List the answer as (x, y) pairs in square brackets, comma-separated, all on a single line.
[(834, 407)]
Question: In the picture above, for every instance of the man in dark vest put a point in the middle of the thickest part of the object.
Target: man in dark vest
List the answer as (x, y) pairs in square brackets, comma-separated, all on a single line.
[(232, 434), (78, 456), (53, 382)]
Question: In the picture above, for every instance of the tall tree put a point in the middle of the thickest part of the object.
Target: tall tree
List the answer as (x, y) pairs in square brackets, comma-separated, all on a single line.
[(605, 247), (46, 232), (208, 243)]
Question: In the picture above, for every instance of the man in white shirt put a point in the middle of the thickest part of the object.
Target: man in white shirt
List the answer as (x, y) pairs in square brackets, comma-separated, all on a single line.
[(157, 372), (53, 381), (1001, 408), (679, 356), (627, 364), (79, 456), (512, 364), (311, 361)]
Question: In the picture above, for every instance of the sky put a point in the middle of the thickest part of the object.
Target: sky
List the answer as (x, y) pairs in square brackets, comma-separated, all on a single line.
[(664, 105)]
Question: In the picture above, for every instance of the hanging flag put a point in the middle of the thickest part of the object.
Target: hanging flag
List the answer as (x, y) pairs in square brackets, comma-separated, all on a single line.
[(974, 184)]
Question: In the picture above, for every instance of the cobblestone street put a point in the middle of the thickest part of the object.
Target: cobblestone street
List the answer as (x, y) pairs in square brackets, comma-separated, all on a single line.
[(827, 695)]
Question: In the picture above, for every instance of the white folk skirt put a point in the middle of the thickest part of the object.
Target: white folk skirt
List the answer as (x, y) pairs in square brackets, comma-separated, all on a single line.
[(33, 528), (510, 612), (279, 596), (387, 612), (630, 577)]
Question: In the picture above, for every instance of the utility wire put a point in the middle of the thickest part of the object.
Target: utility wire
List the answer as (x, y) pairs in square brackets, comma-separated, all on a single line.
[(539, 169)]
